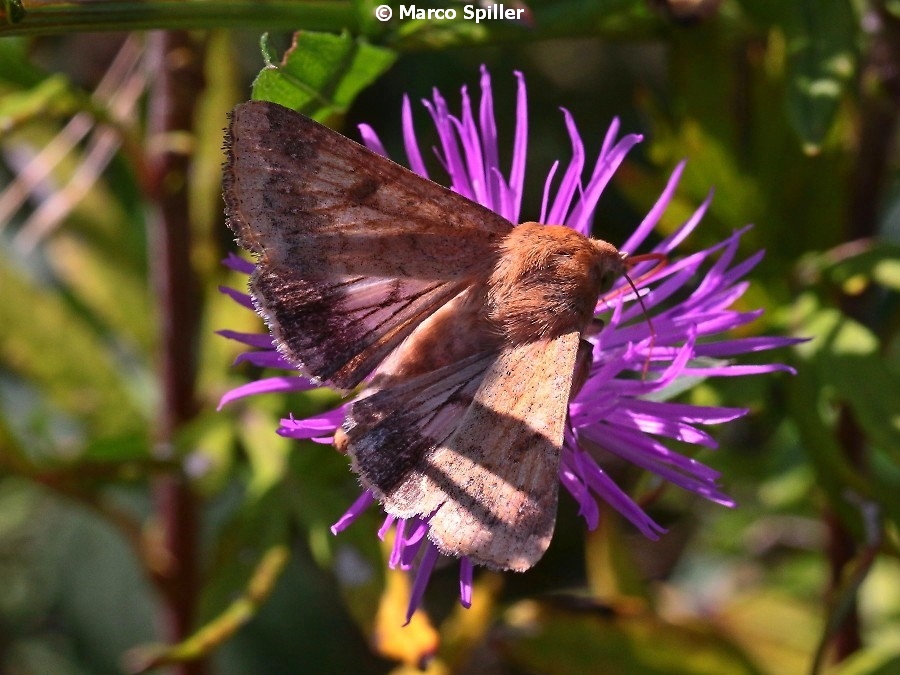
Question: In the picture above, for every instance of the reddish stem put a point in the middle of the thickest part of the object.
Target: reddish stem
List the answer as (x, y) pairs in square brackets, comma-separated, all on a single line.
[(175, 63), (879, 113)]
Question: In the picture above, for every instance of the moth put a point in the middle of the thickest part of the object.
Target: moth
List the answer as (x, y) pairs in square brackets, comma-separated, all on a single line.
[(466, 332)]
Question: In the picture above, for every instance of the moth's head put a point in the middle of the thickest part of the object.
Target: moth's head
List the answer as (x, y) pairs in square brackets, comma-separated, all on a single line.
[(608, 265)]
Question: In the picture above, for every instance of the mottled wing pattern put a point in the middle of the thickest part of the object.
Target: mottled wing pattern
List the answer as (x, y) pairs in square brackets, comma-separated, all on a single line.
[(478, 450), (338, 328), (391, 431), (353, 250)]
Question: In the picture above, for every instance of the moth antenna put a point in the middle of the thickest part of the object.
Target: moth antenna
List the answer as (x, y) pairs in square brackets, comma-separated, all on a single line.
[(652, 344), (661, 261), (630, 261)]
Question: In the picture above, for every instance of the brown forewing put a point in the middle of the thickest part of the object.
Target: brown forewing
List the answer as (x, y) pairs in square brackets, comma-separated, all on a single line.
[(353, 250)]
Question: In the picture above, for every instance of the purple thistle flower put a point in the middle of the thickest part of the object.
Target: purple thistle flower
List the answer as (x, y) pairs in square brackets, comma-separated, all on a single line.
[(622, 409)]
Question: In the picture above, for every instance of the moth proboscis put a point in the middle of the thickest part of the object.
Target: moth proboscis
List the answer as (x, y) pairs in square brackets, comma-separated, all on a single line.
[(468, 331)]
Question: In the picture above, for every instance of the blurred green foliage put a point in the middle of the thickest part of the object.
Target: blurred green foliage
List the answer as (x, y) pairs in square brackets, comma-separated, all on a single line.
[(788, 109)]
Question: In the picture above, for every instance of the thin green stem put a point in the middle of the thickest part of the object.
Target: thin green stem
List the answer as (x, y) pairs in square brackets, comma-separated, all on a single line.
[(42, 17), (611, 19)]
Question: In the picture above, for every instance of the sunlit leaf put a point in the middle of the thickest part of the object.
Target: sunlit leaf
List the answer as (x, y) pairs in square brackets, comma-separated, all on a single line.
[(849, 363), (778, 631), (51, 344), (216, 631), (870, 661), (842, 365), (822, 59), (540, 638), (321, 489), (260, 524), (113, 293), (18, 68), (854, 267), (52, 97), (321, 74), (214, 102)]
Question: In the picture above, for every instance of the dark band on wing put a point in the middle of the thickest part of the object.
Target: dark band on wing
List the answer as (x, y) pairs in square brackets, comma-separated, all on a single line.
[(326, 329)]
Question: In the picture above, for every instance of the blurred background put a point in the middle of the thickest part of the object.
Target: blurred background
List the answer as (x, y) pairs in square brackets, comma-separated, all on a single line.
[(133, 514)]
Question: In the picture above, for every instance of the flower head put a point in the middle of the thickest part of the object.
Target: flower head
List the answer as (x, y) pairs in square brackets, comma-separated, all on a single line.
[(622, 409)]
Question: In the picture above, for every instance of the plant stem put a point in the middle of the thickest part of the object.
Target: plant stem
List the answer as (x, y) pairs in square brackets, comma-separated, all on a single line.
[(879, 115), (176, 63), (566, 18), (46, 17)]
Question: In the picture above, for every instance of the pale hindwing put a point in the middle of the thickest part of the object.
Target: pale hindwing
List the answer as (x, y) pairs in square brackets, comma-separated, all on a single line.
[(476, 445), (390, 432), (500, 468), (330, 220)]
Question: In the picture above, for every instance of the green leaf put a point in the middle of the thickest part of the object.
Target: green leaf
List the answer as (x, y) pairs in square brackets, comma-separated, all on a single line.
[(54, 347), (892, 7), (878, 262), (260, 523), (218, 630), (13, 11), (104, 283), (321, 74), (847, 361), (538, 637), (872, 661), (321, 489), (822, 60), (368, 25), (52, 97), (843, 366), (817, 437), (121, 449), (15, 65), (774, 627)]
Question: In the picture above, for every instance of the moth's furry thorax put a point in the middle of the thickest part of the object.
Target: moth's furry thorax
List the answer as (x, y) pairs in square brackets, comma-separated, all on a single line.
[(547, 280)]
